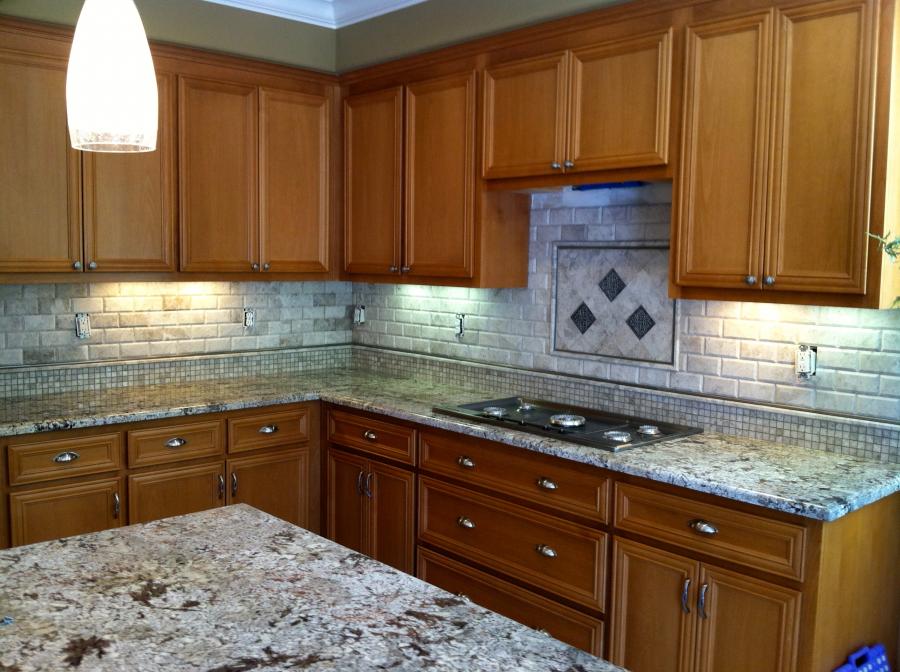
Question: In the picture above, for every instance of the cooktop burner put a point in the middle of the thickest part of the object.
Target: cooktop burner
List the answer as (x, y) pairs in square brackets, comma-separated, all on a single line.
[(578, 425)]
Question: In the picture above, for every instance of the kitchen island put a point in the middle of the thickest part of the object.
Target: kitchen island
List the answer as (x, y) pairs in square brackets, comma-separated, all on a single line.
[(234, 589)]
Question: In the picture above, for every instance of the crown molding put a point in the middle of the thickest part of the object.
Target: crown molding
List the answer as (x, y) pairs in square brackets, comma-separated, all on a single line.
[(332, 14)]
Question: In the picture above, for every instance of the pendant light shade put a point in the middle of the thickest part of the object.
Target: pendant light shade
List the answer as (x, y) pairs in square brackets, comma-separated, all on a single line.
[(111, 94)]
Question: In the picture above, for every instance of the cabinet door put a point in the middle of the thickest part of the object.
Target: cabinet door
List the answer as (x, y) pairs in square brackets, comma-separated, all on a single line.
[(373, 181), (392, 516), (40, 175), (822, 157), (721, 188), (276, 484), (346, 511), (64, 511), (217, 126), (652, 627), (129, 201), (620, 104), (293, 181), (440, 175), (175, 492), (746, 624), (525, 117)]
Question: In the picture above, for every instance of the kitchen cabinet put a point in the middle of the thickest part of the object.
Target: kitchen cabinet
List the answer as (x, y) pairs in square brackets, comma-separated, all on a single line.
[(370, 508), (130, 201), (65, 510), (598, 107), (40, 175), (775, 190), (175, 492), (699, 617), (275, 483)]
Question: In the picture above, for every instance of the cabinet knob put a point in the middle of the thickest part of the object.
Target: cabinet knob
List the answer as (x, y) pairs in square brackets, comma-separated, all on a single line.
[(769, 280), (66, 457), (76, 265), (394, 269), (254, 266), (556, 165), (750, 279), (467, 523), (547, 484), (405, 269), (92, 266), (465, 462), (703, 527), (267, 266), (569, 164), (545, 550), (176, 442)]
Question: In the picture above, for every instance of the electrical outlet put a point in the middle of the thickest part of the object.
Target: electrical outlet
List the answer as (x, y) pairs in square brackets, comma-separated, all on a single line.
[(806, 361), (359, 315), (82, 325), (249, 318)]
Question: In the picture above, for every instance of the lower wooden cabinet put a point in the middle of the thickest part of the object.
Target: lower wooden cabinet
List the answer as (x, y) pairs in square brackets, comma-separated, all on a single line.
[(370, 508), (698, 617), (175, 492), (274, 483), (65, 510)]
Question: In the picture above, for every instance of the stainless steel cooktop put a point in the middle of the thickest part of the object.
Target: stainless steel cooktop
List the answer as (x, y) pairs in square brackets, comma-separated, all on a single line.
[(578, 425)]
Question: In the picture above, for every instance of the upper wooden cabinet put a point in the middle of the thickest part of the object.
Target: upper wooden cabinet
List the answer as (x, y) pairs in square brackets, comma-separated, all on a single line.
[(40, 175), (775, 193), (600, 107), (129, 201)]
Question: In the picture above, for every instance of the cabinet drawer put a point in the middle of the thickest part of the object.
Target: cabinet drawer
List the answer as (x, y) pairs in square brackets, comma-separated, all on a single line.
[(736, 536), (265, 430), (548, 481), (174, 443), (566, 559), (377, 437), (567, 625), (34, 462)]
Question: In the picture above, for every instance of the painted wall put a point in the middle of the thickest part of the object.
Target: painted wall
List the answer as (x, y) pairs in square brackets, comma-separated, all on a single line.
[(733, 350), (438, 23), (208, 26)]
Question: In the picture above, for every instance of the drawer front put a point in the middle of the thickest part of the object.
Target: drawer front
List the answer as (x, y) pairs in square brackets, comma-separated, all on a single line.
[(744, 538), (174, 443), (269, 429), (563, 623), (566, 559), (34, 462), (377, 437), (548, 481)]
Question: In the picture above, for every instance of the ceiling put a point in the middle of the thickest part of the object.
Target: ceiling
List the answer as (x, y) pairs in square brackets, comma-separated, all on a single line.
[(328, 13)]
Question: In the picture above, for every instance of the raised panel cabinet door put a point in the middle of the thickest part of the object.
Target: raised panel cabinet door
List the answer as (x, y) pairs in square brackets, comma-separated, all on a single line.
[(652, 624), (373, 181), (217, 140), (745, 624), (440, 177), (822, 158), (346, 510), (620, 104), (721, 189), (40, 175), (129, 201), (294, 184), (65, 511), (392, 516), (525, 117), (276, 483), (175, 492)]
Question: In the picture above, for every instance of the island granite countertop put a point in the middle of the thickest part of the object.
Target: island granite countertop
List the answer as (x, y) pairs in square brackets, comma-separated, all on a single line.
[(810, 483), (235, 589)]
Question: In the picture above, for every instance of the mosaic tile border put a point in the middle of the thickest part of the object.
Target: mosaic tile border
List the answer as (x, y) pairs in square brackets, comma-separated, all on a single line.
[(870, 439)]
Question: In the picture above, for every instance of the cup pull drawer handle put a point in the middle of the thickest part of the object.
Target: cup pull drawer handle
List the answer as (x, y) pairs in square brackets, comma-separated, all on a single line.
[(546, 551), (547, 484), (66, 457), (703, 527), (176, 442), (467, 523), (370, 435), (268, 429), (465, 462)]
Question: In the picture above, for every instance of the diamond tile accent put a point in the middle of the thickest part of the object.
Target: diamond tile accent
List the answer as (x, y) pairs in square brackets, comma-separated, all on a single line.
[(640, 322), (612, 285), (583, 317)]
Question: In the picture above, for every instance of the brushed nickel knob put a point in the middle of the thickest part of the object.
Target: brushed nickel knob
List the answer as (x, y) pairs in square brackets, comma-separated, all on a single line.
[(405, 269), (92, 266), (267, 266), (769, 280), (556, 165), (750, 279), (569, 164), (77, 265), (254, 266), (394, 269)]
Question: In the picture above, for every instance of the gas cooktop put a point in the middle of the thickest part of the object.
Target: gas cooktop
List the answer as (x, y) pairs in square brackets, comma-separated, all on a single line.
[(578, 425)]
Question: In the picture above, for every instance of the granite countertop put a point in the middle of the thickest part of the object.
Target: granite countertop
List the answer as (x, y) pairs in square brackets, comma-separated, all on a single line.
[(810, 483), (234, 589)]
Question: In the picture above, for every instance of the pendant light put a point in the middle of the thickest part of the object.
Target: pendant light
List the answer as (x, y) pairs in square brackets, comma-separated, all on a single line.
[(111, 94)]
